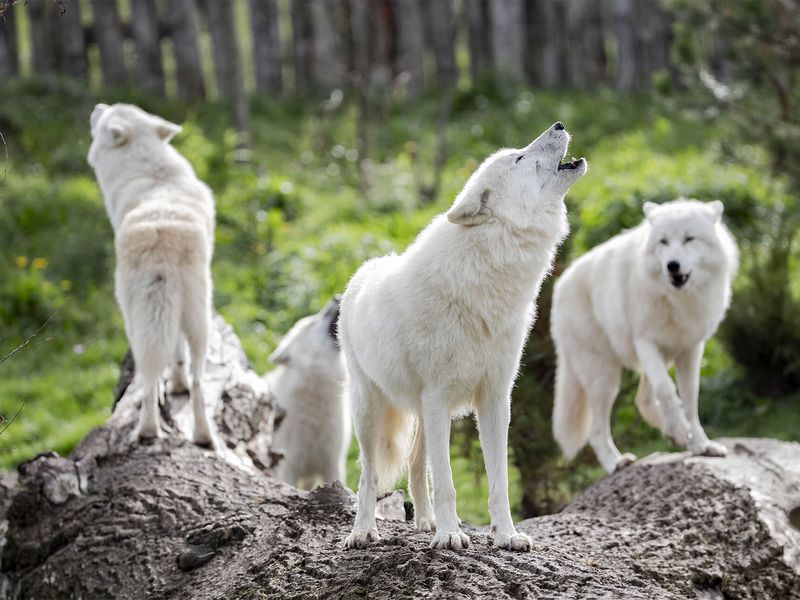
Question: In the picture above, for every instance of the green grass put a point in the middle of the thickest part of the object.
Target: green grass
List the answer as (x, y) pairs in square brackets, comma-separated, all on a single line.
[(293, 224)]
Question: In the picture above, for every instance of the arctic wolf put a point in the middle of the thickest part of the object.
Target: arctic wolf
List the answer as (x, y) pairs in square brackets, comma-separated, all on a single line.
[(439, 330), (315, 434), (646, 298), (163, 220)]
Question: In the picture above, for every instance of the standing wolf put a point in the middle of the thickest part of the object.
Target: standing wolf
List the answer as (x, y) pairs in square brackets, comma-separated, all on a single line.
[(439, 330), (642, 300), (163, 220), (315, 434)]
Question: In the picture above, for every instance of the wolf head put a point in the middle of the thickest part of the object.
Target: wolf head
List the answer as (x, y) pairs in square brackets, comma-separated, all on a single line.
[(687, 242), (513, 185), (312, 341), (124, 135)]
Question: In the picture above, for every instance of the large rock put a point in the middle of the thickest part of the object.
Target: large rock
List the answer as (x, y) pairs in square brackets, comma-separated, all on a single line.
[(171, 520)]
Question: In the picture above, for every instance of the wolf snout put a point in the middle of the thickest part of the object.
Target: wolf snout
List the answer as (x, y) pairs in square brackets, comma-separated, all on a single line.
[(558, 126), (673, 266)]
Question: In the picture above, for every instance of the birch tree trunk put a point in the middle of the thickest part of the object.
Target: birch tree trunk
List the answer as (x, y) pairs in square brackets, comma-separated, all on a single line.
[(410, 44), (227, 62), (546, 42), (508, 38), (9, 57), (72, 41), (625, 34), (442, 39), (149, 66), (267, 53), (479, 36), (108, 34), (182, 18)]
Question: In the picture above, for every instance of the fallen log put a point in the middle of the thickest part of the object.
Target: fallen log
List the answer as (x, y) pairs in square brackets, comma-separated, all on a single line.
[(171, 520)]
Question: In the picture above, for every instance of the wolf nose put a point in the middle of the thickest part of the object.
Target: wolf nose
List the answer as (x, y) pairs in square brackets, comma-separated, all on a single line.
[(558, 126), (673, 266)]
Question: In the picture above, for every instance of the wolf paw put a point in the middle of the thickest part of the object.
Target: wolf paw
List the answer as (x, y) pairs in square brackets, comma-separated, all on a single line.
[(519, 542), (204, 440), (424, 523), (144, 433), (624, 460), (451, 540), (361, 539), (710, 449)]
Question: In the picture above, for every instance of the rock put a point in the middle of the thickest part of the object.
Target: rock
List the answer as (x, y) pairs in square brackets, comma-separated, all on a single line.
[(171, 520)]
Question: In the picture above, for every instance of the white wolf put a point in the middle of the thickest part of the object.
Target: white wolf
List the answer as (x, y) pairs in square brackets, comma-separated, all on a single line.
[(163, 220), (439, 330), (645, 298), (315, 433)]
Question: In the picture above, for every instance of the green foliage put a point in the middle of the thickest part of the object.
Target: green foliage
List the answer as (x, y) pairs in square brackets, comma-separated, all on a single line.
[(298, 213)]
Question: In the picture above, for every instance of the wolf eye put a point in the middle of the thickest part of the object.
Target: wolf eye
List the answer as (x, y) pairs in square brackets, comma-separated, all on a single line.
[(519, 158), (664, 241), (688, 239)]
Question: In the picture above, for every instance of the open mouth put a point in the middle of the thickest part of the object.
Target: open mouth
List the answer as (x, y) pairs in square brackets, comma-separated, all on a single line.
[(679, 280), (569, 166)]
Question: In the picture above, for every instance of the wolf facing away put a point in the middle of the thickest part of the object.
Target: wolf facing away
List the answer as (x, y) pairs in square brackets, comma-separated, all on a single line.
[(439, 330), (163, 220), (644, 299), (315, 433)]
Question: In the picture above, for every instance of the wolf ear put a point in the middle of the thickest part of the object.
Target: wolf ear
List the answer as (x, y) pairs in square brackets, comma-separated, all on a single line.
[(118, 132), (281, 354), (717, 209), (470, 208), (98, 111), (649, 209), (166, 130)]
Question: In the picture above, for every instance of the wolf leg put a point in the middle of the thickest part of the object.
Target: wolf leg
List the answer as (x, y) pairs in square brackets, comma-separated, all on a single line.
[(368, 410), (601, 386), (178, 381), (418, 482), (687, 367), (196, 324), (675, 425), (494, 415), (436, 424)]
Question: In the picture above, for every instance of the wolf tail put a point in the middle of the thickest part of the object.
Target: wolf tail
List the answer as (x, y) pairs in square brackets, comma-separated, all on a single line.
[(571, 415), (394, 445)]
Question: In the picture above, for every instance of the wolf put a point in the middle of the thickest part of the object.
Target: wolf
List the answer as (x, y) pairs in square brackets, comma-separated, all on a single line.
[(308, 384), (163, 221), (439, 330), (649, 297)]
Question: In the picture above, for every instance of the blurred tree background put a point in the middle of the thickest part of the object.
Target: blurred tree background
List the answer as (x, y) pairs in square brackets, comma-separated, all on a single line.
[(332, 131)]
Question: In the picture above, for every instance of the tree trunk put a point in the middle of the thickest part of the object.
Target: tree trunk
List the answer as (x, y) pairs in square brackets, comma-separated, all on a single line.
[(9, 57), (508, 38), (479, 35), (410, 45), (72, 41), (442, 35), (182, 17), (326, 65), (267, 54), (654, 28), (41, 16), (108, 34), (625, 34), (586, 54), (144, 24), (546, 42), (301, 45), (227, 62)]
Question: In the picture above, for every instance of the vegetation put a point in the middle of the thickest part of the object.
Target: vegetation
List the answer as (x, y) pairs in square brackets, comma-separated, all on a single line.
[(300, 210)]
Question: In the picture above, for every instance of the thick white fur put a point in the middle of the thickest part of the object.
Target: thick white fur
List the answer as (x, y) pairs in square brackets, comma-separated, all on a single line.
[(315, 433), (439, 330), (617, 307), (163, 220)]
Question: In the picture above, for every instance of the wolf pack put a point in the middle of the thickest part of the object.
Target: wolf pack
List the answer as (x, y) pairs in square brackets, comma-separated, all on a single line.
[(436, 332)]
